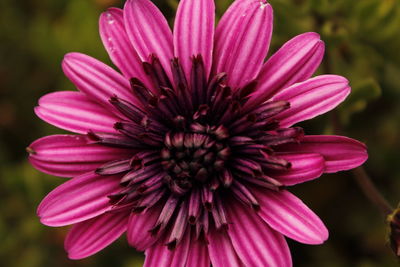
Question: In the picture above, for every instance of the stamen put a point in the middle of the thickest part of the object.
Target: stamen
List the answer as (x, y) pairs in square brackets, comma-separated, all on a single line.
[(214, 184), (226, 178), (114, 167), (247, 164), (220, 132), (202, 111), (207, 198), (194, 206), (205, 223), (241, 141), (129, 129), (274, 163), (165, 215), (179, 226), (151, 185), (244, 93), (156, 72), (295, 132), (114, 140), (150, 200), (244, 194), (163, 105), (243, 170), (220, 102), (263, 183), (141, 92), (127, 109), (293, 135), (179, 76), (171, 100), (198, 81), (140, 175), (270, 109), (182, 88), (219, 214), (215, 83), (198, 140)]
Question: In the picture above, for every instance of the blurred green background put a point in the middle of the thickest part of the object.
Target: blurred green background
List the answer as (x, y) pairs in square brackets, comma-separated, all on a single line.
[(363, 44)]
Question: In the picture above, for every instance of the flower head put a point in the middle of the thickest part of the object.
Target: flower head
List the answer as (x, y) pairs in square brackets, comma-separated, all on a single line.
[(191, 148)]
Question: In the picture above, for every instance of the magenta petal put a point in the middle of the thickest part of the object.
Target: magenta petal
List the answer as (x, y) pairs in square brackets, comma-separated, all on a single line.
[(78, 199), (62, 169), (242, 41), (119, 48), (97, 80), (254, 241), (221, 250), (340, 153), (149, 32), (70, 155), (194, 32), (312, 98), (88, 237), (304, 167), (74, 111), (290, 216), (294, 62), (139, 227), (160, 256), (198, 254)]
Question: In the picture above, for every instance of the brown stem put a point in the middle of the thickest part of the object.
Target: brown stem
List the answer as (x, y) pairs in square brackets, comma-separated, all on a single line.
[(370, 191)]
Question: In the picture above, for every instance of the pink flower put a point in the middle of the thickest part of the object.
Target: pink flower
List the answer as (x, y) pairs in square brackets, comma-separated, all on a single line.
[(190, 149)]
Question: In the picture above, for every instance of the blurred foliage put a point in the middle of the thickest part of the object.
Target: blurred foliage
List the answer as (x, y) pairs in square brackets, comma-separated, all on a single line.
[(362, 43)]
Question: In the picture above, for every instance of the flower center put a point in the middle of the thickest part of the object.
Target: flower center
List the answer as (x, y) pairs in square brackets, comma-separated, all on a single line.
[(192, 159), (195, 144)]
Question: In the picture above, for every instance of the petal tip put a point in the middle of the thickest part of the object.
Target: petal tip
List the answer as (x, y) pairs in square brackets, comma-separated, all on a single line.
[(70, 55), (74, 56), (40, 112), (312, 35), (132, 3), (41, 212), (321, 48), (109, 14), (322, 236), (264, 5), (48, 222), (72, 255)]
